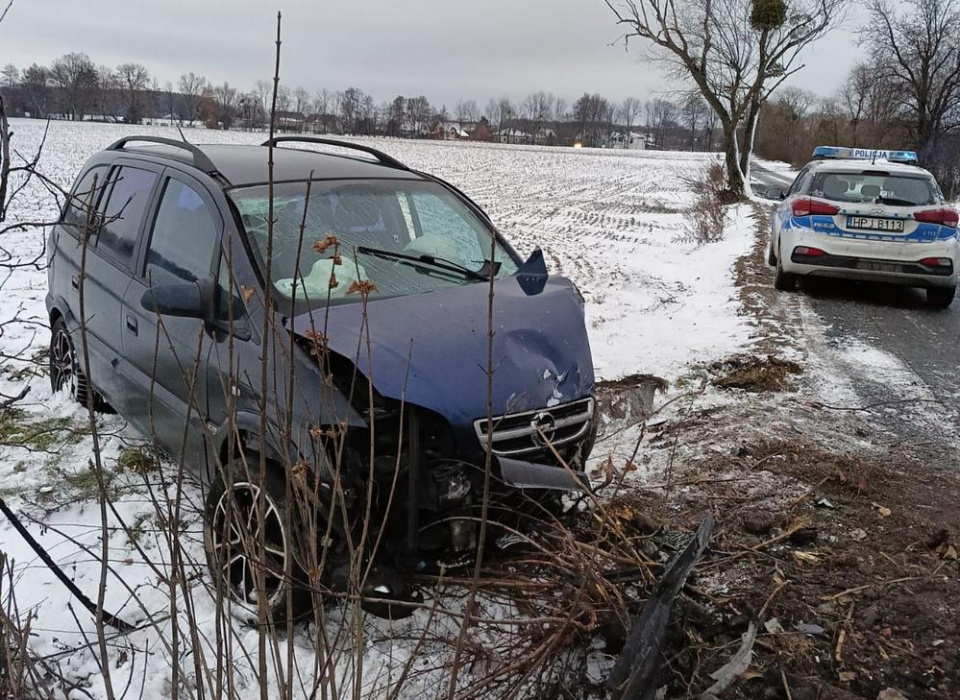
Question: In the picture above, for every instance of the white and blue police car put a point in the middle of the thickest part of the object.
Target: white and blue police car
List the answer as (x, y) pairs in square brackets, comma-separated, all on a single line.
[(866, 215)]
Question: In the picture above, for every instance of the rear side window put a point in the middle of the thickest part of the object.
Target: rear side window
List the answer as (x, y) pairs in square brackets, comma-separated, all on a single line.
[(184, 237), (124, 212), (86, 195)]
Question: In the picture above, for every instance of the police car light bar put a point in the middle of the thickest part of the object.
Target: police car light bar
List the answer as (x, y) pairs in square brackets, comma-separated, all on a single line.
[(871, 154)]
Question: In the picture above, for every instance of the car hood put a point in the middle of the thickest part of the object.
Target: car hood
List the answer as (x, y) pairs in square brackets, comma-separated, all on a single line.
[(431, 349)]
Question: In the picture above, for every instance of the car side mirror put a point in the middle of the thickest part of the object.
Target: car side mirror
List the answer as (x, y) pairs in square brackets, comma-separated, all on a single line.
[(184, 299), (777, 193)]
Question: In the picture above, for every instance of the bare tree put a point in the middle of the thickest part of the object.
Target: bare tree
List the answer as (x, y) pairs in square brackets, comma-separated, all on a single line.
[(492, 112), (736, 52), (192, 88), (396, 116), (916, 49), (321, 101), (693, 110), (9, 76), (506, 109), (467, 111), (76, 77), (36, 90), (284, 99), (226, 101), (592, 114), (133, 80), (630, 110), (301, 100), (418, 113), (661, 115)]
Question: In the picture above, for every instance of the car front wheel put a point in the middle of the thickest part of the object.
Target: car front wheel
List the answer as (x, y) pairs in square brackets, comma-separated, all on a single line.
[(940, 297), (249, 542)]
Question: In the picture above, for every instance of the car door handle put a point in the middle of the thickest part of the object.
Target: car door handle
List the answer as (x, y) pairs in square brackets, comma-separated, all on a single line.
[(132, 324), (75, 282)]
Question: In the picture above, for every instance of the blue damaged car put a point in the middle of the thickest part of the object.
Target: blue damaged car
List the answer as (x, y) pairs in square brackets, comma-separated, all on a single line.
[(326, 315)]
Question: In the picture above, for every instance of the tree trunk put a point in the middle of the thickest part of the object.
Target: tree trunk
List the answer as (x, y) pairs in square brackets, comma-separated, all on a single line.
[(731, 148), (749, 136)]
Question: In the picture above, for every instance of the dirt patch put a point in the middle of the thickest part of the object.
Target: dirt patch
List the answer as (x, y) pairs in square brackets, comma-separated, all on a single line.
[(629, 398), (847, 564), (755, 374)]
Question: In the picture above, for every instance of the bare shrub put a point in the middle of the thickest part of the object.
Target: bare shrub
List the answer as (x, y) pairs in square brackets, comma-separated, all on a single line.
[(710, 206)]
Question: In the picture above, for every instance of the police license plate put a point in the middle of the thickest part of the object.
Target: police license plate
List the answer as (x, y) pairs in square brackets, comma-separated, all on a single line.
[(877, 266), (872, 223)]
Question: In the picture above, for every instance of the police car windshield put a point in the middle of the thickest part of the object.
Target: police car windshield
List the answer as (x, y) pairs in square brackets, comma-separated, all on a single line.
[(875, 188)]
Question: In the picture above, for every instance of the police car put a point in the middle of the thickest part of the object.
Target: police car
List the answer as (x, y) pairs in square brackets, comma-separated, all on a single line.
[(866, 215)]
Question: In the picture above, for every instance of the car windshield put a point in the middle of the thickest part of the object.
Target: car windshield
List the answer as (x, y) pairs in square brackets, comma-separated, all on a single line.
[(407, 237), (875, 188)]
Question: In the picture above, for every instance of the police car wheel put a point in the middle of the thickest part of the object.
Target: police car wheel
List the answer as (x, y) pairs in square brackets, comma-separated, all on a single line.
[(784, 281), (771, 256), (940, 297)]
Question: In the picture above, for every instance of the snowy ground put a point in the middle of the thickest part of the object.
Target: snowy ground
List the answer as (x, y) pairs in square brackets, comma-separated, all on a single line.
[(611, 221)]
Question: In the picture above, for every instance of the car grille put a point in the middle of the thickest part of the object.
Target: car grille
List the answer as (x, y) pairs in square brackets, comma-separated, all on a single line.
[(517, 433)]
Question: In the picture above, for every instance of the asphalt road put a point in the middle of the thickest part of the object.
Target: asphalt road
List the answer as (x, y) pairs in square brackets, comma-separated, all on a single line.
[(896, 321)]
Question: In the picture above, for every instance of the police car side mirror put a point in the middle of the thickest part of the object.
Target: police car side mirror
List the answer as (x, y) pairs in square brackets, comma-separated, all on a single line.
[(777, 193)]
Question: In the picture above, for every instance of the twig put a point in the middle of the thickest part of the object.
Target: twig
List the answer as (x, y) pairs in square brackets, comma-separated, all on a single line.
[(857, 589), (8, 401), (786, 686), (870, 406)]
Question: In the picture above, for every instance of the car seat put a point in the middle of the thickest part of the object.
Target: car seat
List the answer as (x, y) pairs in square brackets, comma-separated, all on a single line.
[(870, 191), (835, 188)]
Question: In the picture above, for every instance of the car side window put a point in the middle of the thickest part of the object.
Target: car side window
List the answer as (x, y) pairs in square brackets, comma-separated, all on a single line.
[(798, 182), (183, 238), (84, 200), (128, 200)]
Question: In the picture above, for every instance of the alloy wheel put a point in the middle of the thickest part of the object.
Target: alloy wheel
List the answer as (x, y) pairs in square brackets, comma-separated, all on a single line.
[(236, 542), (63, 364)]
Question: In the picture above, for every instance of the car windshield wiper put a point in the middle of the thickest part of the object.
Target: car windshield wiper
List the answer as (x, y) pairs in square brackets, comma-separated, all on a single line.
[(895, 202), (432, 261)]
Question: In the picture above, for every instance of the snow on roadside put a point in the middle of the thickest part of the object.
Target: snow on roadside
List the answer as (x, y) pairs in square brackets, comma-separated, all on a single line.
[(614, 222)]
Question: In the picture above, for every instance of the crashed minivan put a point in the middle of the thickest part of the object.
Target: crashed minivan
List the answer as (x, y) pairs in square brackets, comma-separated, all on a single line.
[(269, 313)]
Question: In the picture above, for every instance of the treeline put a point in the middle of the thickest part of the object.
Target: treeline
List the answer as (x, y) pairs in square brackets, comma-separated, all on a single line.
[(905, 95), (73, 87)]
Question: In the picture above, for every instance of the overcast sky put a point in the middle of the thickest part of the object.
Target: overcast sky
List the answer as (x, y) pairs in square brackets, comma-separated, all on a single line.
[(447, 50)]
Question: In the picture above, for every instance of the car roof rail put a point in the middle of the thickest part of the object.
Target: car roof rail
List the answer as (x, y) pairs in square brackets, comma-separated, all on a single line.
[(382, 157), (200, 159)]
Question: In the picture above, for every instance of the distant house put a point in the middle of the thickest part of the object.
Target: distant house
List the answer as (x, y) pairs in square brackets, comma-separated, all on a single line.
[(320, 124), (454, 130), (546, 137), (481, 132), (290, 121), (637, 142), (514, 136)]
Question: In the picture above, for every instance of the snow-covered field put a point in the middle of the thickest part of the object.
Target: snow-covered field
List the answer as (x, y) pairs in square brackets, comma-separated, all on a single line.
[(614, 222)]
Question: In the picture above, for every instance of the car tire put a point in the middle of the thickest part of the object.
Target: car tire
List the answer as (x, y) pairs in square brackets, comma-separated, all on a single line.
[(65, 372), (784, 281), (771, 256), (232, 542), (940, 297)]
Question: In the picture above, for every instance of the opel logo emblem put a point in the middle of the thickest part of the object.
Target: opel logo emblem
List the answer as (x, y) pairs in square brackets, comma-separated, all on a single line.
[(544, 427)]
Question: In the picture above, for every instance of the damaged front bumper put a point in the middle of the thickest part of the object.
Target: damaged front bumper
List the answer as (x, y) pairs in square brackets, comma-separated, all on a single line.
[(518, 474)]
